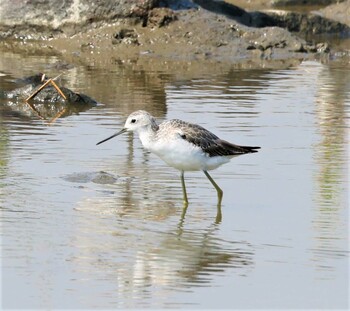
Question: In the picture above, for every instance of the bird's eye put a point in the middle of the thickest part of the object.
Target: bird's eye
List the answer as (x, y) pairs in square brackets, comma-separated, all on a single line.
[(133, 120)]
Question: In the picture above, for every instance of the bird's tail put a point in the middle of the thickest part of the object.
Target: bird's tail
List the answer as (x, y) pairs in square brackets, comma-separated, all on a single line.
[(250, 149), (233, 149)]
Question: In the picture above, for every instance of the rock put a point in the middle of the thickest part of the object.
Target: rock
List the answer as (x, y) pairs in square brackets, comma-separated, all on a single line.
[(306, 24), (160, 17), (47, 94), (339, 12), (303, 23), (177, 4), (299, 3), (126, 36), (221, 7), (95, 177), (48, 103), (275, 38), (38, 19)]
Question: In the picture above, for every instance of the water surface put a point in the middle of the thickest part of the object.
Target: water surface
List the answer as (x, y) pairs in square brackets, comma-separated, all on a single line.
[(86, 226)]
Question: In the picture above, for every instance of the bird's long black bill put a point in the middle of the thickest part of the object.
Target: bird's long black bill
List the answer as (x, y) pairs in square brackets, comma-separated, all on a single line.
[(114, 135)]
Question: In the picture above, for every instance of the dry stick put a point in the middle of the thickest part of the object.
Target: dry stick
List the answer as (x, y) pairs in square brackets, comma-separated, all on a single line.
[(36, 111), (59, 114), (56, 86), (38, 90), (58, 89), (44, 85)]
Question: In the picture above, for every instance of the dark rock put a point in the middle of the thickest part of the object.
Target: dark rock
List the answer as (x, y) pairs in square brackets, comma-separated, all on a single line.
[(284, 3), (339, 12), (160, 17), (48, 103), (303, 23), (177, 4), (35, 79), (47, 94), (307, 23), (228, 9), (126, 36)]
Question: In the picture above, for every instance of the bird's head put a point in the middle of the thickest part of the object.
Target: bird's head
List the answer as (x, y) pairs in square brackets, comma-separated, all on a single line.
[(136, 122)]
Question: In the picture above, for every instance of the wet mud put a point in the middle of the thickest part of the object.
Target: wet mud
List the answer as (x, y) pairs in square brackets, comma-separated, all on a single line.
[(209, 32)]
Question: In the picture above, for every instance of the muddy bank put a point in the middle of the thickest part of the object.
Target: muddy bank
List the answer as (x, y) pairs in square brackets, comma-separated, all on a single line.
[(203, 31), (339, 12)]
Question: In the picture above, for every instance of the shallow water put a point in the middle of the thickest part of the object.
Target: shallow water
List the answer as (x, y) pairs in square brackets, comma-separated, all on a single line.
[(86, 226)]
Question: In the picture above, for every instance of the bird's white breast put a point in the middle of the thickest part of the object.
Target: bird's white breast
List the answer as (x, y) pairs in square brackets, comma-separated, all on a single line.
[(181, 154)]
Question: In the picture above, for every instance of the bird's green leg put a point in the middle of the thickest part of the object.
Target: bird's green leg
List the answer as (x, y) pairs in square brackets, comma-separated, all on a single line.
[(220, 194), (184, 188), (218, 189), (184, 210)]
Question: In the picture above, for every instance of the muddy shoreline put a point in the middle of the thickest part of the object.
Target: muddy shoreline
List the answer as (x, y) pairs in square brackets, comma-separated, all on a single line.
[(195, 35)]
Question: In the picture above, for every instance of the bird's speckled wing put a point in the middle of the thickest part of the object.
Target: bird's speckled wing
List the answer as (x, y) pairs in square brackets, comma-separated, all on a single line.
[(206, 140)]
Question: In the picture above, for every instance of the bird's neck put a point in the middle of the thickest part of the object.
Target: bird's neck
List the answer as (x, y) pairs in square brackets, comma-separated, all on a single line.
[(148, 135)]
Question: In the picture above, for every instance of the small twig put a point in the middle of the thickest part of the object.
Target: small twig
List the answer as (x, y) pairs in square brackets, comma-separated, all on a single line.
[(58, 90), (36, 111), (44, 85), (38, 90), (55, 78), (59, 114)]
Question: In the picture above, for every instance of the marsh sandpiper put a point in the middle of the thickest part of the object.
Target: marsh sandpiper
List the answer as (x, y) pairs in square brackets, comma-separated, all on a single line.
[(182, 145)]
